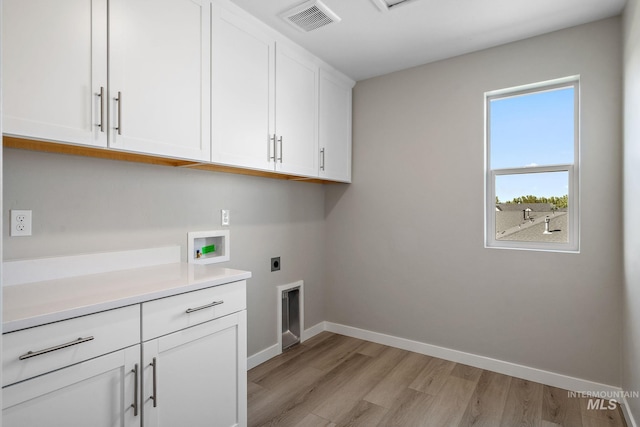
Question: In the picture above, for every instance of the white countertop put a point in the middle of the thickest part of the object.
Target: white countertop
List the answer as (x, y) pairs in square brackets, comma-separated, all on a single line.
[(33, 304)]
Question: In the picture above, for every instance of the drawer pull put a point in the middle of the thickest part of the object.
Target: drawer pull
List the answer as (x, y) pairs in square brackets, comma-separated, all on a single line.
[(155, 383), (134, 405), (213, 304), (50, 349)]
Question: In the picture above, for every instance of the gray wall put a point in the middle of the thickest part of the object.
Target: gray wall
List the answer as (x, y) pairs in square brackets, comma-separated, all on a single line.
[(403, 245), (631, 321), (405, 241), (85, 205)]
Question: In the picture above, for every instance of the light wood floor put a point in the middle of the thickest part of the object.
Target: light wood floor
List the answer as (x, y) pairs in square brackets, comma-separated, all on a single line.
[(333, 380)]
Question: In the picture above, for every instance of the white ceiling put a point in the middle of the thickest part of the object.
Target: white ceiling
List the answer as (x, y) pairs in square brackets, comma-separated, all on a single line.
[(368, 42)]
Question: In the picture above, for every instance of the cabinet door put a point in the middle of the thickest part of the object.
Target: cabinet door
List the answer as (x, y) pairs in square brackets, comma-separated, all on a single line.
[(242, 90), (160, 77), (200, 376), (97, 393), (54, 64), (334, 127), (296, 112)]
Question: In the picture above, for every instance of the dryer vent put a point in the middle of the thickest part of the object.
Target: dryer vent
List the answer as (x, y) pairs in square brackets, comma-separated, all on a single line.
[(310, 15)]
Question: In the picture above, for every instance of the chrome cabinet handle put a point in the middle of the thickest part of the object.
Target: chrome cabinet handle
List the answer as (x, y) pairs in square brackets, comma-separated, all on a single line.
[(280, 141), (272, 139), (213, 304), (134, 405), (101, 96), (119, 101), (57, 347), (322, 164), (155, 383)]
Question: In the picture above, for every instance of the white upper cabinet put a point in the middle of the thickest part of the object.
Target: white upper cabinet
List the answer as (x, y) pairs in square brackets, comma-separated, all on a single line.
[(160, 77), (335, 127), (199, 80), (157, 98), (296, 130), (243, 92), (264, 99), (54, 68)]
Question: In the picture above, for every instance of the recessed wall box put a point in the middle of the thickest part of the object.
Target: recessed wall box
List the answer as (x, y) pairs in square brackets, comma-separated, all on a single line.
[(207, 247)]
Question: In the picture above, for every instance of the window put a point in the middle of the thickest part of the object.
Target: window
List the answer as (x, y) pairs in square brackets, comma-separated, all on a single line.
[(532, 167)]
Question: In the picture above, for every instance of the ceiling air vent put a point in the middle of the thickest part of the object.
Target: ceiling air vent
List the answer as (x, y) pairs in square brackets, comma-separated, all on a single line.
[(387, 5), (310, 15)]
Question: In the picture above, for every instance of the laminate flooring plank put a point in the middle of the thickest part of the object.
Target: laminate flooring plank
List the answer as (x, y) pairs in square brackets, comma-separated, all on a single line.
[(319, 391), (345, 398), (330, 359), (272, 403), (317, 339), (312, 420), (448, 406), (410, 410), (559, 408), (371, 348), (397, 380), (588, 421), (260, 371), (524, 404), (335, 349), (363, 414), (466, 372), (255, 391), (431, 379), (328, 381), (486, 406), (605, 416)]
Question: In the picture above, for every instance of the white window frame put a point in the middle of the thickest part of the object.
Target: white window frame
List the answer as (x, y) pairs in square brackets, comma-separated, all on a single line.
[(572, 169)]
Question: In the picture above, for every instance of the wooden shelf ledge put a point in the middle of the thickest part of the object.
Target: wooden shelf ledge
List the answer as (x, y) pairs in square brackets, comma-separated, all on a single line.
[(110, 154)]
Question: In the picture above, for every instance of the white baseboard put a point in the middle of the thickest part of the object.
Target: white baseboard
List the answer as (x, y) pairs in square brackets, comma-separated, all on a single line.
[(507, 368), (273, 351), (500, 366), (262, 356), (313, 331), (631, 422)]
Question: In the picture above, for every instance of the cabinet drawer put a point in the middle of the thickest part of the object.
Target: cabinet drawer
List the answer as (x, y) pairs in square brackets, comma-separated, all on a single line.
[(166, 315), (45, 348)]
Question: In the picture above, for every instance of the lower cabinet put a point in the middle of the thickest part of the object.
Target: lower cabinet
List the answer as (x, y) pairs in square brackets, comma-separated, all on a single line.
[(193, 377), (169, 362), (100, 392)]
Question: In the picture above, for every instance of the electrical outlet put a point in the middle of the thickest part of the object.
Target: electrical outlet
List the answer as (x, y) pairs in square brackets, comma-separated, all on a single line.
[(275, 264), (20, 223), (225, 216)]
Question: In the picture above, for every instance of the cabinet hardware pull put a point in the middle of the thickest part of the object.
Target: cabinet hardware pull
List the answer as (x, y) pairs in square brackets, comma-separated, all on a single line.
[(280, 141), (322, 164), (101, 96), (134, 405), (213, 304), (50, 349), (119, 101), (273, 140), (155, 383)]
